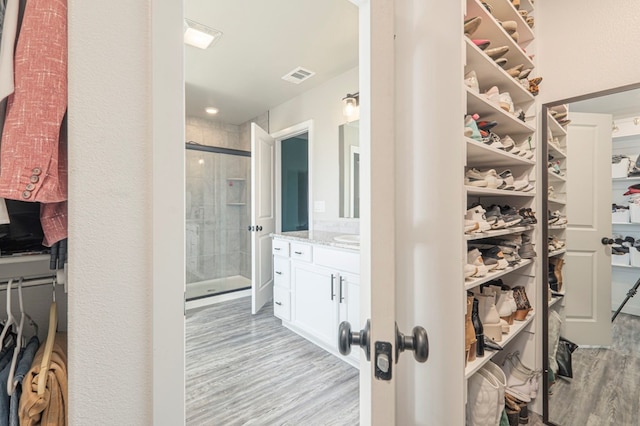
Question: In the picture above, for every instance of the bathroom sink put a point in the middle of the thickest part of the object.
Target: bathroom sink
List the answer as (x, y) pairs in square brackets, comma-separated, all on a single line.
[(348, 238)]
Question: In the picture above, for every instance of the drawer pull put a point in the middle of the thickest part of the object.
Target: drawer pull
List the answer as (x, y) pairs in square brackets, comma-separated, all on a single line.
[(277, 248), (341, 282), (279, 303), (297, 252), (278, 272)]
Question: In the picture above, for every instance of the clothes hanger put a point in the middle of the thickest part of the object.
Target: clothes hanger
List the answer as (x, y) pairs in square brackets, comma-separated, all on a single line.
[(19, 343), (48, 346), (10, 319)]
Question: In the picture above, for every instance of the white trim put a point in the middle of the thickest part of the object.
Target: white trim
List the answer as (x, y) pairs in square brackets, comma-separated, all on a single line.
[(208, 301), (353, 150), (279, 136)]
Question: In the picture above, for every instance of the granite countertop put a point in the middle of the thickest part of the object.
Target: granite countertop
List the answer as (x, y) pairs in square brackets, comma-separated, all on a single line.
[(317, 237)]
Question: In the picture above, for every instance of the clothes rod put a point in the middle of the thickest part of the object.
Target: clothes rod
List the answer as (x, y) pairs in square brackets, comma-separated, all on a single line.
[(37, 281)]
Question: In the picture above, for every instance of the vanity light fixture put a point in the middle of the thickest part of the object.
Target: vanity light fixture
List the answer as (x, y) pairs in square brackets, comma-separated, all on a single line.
[(614, 127), (636, 121), (351, 102), (211, 110), (200, 36)]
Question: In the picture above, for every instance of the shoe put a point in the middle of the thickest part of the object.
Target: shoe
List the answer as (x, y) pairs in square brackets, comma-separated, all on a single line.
[(471, 25), (506, 103), (497, 52), (515, 36), (474, 257), (470, 338), (489, 176), (470, 124), (515, 71), (489, 317), (481, 43), (486, 125), (530, 21), (558, 218), (516, 4), (509, 145), (512, 409), (476, 214), (509, 26), (501, 62), (493, 95), (471, 81), (495, 253), (470, 226), (494, 216), (510, 215), (525, 149), (533, 85), (522, 302), (527, 215), (522, 184), (478, 328), (470, 270), (524, 73)]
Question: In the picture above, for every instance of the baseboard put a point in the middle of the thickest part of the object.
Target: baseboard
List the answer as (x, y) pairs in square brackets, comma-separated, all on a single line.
[(628, 309), (207, 301)]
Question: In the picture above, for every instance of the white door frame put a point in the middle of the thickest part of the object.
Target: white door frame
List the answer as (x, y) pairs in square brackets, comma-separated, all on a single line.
[(279, 136)]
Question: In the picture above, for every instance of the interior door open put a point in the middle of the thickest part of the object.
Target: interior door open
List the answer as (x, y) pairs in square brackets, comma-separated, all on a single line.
[(263, 216), (587, 270)]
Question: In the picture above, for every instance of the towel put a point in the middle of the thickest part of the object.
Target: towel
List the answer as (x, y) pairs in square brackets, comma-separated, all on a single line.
[(50, 408)]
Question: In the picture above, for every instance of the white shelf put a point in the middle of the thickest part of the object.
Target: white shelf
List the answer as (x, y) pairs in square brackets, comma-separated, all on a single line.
[(490, 29), (625, 224), (472, 190), (236, 204), (491, 74), (505, 11), (556, 128), (554, 300), (627, 179), (514, 330), (555, 176), (475, 282), (555, 149), (557, 201), (24, 265), (625, 266), (557, 252), (498, 232), (508, 124), (237, 179), (557, 226), (482, 155)]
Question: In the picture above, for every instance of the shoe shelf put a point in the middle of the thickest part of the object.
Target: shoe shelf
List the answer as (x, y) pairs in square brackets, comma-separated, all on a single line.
[(557, 226), (481, 155), (554, 300), (625, 266), (497, 232), (555, 176), (627, 179), (508, 124), (473, 190), (625, 224), (556, 151), (490, 29), (491, 74), (505, 11), (557, 201), (475, 282), (557, 252), (516, 328), (556, 128)]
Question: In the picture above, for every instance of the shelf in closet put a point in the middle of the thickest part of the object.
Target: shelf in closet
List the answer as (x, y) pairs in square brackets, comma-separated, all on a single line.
[(555, 176), (557, 201), (556, 151), (557, 226), (236, 204), (475, 282), (625, 224), (24, 265), (625, 266), (505, 11), (627, 179), (557, 252), (514, 330), (482, 155), (554, 300), (498, 232), (556, 128), (472, 190), (491, 74), (508, 124), (490, 29)]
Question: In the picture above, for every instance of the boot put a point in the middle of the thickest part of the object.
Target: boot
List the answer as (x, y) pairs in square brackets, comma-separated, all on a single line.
[(557, 271), (478, 329), (522, 301), (489, 317), (512, 409), (482, 398), (501, 379), (469, 334)]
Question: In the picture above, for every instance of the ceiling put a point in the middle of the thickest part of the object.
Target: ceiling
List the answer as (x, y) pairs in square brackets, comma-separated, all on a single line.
[(618, 104), (262, 41)]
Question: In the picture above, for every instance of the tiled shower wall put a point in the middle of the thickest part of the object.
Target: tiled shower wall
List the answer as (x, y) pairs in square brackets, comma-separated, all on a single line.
[(218, 200)]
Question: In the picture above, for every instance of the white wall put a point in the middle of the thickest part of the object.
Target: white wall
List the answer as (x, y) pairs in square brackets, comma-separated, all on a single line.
[(323, 105), (584, 46)]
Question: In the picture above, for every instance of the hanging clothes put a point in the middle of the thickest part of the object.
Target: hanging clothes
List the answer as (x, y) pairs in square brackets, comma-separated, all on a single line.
[(50, 407), (22, 368), (33, 156)]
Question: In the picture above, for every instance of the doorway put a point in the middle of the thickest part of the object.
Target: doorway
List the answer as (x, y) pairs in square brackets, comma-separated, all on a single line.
[(294, 183)]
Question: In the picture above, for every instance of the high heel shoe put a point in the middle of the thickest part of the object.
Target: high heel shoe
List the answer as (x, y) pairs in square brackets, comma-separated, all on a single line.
[(470, 340), (522, 302), (478, 328)]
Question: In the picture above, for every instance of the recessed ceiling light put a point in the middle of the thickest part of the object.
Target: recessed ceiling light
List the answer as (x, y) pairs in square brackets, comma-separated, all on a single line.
[(200, 36), (211, 110)]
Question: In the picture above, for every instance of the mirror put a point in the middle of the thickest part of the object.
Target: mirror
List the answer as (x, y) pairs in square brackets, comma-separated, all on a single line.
[(349, 158), (589, 257)]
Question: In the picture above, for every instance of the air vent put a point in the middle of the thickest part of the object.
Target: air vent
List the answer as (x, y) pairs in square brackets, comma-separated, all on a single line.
[(298, 75)]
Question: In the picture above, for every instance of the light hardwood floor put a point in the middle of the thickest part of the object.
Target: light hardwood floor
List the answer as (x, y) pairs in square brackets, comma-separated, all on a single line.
[(250, 370), (605, 386)]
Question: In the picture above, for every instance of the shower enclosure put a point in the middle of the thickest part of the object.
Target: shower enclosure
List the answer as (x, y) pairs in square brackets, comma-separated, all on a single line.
[(218, 246)]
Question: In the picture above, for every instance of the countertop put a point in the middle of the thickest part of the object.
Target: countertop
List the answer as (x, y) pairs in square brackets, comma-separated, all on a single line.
[(316, 237)]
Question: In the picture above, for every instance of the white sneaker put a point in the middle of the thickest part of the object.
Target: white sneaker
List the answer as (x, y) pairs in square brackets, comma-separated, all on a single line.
[(490, 176), (474, 258), (471, 81), (522, 184), (476, 214), (506, 103), (509, 145)]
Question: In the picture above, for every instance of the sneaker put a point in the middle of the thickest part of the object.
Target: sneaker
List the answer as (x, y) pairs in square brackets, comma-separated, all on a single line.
[(471, 226), (506, 103), (471, 81), (470, 270), (471, 128), (510, 145), (522, 184), (476, 214), (507, 179), (510, 216), (494, 214), (558, 218), (490, 176), (474, 258), (496, 254)]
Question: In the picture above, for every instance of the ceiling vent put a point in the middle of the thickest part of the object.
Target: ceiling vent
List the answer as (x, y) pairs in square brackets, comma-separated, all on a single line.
[(298, 75)]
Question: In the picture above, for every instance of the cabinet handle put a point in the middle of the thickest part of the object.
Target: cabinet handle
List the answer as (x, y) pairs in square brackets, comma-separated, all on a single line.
[(279, 303), (297, 252), (277, 248), (332, 279), (278, 272), (341, 282)]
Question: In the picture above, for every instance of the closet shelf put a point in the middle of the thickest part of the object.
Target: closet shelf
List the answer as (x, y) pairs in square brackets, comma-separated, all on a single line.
[(625, 266), (556, 150), (482, 155), (491, 74), (556, 200), (27, 265), (557, 226), (554, 300), (490, 29), (237, 179), (497, 232), (475, 282), (625, 223), (556, 128), (505, 11), (472, 190), (555, 176), (627, 179), (557, 252), (516, 328), (508, 124)]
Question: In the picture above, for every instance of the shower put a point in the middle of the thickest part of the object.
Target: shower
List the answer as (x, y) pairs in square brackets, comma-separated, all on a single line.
[(218, 246)]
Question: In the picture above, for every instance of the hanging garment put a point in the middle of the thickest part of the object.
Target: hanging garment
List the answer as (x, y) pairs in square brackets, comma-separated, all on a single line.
[(33, 163), (21, 370), (4, 213), (50, 407), (7, 47)]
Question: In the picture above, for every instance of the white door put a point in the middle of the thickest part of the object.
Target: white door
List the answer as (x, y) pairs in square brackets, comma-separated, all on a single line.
[(587, 271), (263, 215)]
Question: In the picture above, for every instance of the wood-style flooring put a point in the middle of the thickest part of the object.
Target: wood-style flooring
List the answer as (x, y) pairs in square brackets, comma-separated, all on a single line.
[(244, 369), (605, 389)]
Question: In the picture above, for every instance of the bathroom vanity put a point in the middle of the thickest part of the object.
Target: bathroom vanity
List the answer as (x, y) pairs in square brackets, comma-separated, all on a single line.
[(316, 278)]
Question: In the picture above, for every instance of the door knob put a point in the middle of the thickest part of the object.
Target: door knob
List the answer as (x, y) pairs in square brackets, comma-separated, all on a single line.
[(258, 228), (607, 241), (418, 342), (346, 338)]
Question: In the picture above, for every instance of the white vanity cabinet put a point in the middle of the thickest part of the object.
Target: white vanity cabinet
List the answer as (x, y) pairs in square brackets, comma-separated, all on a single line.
[(315, 288)]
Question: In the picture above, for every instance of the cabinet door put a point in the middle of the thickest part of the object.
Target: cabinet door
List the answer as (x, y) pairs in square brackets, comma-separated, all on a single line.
[(315, 295)]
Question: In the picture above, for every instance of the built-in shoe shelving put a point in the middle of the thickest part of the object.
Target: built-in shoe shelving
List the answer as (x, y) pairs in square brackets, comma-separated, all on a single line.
[(557, 252), (556, 201), (516, 328), (498, 232), (479, 191), (475, 282), (480, 155), (554, 300), (508, 124), (555, 176)]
